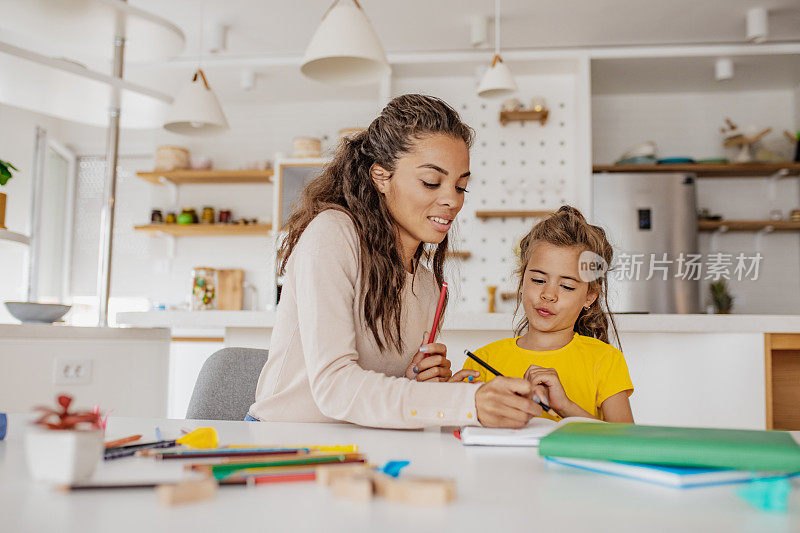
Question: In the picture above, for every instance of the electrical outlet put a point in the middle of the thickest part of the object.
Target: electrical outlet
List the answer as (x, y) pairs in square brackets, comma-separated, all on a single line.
[(72, 371)]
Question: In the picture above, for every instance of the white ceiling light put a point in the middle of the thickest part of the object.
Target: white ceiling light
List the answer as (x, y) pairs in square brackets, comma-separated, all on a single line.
[(757, 28), (248, 79), (345, 49), (497, 81), (723, 69), (218, 40), (196, 110)]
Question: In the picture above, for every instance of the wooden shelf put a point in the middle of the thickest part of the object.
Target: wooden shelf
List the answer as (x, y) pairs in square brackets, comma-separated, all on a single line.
[(747, 225), (710, 170), (782, 372), (524, 116), (205, 230), (12, 236), (181, 177), (458, 254), (512, 214)]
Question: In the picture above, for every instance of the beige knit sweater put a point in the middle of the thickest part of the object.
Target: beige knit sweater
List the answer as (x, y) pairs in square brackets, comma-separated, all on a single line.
[(324, 364)]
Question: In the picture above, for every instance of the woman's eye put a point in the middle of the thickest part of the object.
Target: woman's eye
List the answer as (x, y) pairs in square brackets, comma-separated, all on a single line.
[(430, 185), (462, 189)]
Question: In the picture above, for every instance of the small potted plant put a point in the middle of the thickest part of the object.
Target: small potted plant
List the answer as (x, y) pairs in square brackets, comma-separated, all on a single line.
[(63, 446), (722, 299), (5, 175)]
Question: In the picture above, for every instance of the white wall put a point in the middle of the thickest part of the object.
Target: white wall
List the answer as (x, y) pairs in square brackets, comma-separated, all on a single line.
[(687, 124)]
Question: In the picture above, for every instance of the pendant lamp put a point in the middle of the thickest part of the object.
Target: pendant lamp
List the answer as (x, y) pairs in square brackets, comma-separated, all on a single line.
[(497, 81), (345, 50), (196, 110)]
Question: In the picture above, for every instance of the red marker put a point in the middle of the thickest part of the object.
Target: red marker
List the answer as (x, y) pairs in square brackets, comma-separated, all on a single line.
[(438, 314)]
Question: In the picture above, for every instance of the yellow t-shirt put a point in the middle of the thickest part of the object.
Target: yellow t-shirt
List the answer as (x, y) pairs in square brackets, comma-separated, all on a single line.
[(589, 369)]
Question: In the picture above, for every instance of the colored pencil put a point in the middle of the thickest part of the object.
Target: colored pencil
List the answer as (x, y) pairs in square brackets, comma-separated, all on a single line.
[(204, 454), (120, 442), (437, 316), (249, 480), (488, 367), (220, 471), (128, 451), (340, 448)]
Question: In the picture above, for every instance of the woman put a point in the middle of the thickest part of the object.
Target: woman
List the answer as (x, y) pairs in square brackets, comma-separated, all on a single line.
[(356, 300)]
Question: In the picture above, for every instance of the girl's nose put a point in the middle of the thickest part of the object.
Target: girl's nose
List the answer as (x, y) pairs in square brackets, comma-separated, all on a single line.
[(547, 296)]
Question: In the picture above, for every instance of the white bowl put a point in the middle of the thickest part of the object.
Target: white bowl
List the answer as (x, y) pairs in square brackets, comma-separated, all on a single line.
[(37, 313), (63, 457)]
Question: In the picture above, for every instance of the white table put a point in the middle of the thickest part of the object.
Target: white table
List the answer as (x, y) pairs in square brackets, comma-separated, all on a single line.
[(499, 489)]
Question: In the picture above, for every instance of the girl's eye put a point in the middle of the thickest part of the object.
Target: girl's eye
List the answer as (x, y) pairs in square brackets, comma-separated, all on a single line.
[(540, 281), (567, 287)]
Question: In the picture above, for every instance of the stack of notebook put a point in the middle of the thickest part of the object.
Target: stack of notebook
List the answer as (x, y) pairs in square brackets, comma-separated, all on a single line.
[(673, 456)]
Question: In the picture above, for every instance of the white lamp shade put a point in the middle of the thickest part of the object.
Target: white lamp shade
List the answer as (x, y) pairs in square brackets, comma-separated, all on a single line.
[(497, 81), (345, 49), (196, 110)]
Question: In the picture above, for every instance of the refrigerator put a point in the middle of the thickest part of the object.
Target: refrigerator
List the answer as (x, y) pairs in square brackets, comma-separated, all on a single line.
[(651, 221)]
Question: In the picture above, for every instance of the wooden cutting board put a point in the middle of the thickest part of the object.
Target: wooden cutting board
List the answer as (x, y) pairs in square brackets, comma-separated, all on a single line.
[(229, 289)]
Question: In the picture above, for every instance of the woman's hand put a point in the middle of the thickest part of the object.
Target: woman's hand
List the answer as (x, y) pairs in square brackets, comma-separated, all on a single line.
[(430, 363), (504, 403), (546, 385)]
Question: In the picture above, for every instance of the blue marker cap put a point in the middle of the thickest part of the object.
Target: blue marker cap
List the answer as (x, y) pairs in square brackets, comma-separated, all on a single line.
[(3, 425)]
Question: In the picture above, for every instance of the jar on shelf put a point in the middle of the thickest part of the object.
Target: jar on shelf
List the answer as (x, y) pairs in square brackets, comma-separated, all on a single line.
[(224, 216), (204, 289), (171, 218), (207, 216), (156, 217)]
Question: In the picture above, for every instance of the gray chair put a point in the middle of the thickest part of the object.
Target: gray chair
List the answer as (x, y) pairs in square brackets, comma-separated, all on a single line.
[(226, 386)]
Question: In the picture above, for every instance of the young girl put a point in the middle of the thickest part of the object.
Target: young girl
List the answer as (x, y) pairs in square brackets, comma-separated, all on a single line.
[(562, 343)]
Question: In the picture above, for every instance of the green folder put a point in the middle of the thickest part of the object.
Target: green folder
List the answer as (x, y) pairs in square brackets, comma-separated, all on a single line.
[(678, 446)]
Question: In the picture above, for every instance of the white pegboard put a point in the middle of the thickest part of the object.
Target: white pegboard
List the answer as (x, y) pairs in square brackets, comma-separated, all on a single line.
[(520, 166)]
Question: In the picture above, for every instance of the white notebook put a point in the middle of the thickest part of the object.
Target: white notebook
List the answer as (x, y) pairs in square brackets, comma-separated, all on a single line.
[(530, 435)]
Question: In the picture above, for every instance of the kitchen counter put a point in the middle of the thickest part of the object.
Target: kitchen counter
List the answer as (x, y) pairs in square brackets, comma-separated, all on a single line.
[(500, 322), (60, 331)]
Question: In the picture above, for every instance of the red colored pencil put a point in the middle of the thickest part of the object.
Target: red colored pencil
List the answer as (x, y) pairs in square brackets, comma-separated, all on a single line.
[(438, 314), (120, 442)]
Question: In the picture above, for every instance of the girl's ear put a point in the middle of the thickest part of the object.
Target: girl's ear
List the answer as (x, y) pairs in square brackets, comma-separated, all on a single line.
[(380, 177), (590, 299)]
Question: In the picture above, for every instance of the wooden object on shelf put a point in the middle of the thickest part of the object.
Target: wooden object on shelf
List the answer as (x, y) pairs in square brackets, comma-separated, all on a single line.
[(509, 295), (710, 170), (230, 289), (171, 158), (782, 374), (524, 116), (457, 254), (492, 290), (741, 140), (204, 230), (747, 225), (181, 177), (512, 214)]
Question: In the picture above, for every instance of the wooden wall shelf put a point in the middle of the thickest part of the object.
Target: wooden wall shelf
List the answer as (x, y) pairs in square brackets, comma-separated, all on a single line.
[(710, 170), (181, 177), (524, 116), (6, 235), (458, 255), (204, 230), (747, 225), (483, 215)]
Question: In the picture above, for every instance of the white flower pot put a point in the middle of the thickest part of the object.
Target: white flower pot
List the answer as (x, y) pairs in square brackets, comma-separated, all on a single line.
[(63, 456)]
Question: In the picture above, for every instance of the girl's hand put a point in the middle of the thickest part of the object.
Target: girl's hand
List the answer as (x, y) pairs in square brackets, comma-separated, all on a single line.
[(546, 385), (504, 403), (461, 375), (430, 363)]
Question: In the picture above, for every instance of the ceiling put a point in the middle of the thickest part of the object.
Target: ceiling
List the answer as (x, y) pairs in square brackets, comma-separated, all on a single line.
[(282, 27)]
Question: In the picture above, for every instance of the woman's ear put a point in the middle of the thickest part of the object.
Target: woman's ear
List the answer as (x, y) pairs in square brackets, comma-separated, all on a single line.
[(590, 299), (380, 177)]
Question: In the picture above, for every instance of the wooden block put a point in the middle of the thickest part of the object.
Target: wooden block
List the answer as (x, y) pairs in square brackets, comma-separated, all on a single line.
[(354, 488), (327, 474), (229, 289), (415, 490), (187, 491)]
